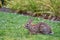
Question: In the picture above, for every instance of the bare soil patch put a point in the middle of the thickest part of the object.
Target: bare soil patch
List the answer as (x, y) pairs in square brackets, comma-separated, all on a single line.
[(44, 15)]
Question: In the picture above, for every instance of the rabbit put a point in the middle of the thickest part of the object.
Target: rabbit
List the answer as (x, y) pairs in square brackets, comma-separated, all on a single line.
[(40, 27)]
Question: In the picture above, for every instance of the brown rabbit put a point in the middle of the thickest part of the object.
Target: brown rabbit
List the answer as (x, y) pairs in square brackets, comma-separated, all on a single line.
[(38, 28)]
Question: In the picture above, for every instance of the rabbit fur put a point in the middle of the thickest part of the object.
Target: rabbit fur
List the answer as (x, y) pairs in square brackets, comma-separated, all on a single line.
[(40, 27)]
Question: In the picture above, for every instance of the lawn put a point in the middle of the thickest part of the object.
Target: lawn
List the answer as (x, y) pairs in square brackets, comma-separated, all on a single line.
[(12, 28)]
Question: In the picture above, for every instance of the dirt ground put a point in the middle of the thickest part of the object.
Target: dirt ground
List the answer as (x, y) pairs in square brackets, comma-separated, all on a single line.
[(45, 16)]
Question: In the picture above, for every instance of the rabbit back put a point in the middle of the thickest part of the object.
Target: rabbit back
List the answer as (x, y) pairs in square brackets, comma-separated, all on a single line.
[(45, 28)]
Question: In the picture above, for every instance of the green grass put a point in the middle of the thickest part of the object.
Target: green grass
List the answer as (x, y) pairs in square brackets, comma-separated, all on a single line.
[(12, 28)]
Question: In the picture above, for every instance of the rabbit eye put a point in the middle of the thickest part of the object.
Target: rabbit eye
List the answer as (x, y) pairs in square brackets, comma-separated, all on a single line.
[(27, 24)]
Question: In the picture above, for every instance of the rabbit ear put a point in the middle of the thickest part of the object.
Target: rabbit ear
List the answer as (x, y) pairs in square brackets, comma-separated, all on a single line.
[(30, 20)]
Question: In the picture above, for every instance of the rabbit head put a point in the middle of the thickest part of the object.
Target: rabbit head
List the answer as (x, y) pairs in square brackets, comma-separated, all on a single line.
[(33, 28), (28, 24)]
